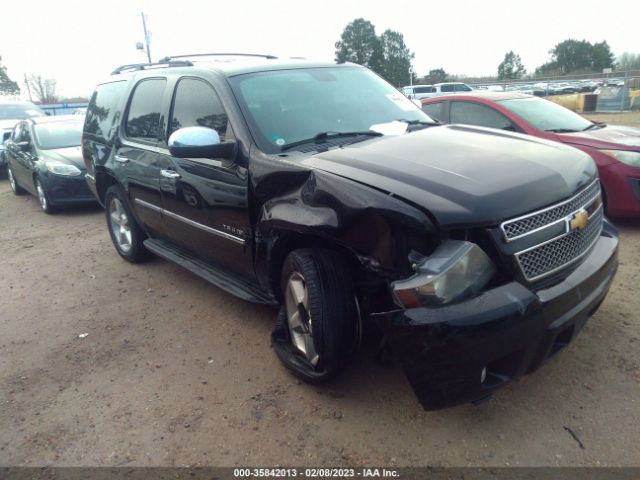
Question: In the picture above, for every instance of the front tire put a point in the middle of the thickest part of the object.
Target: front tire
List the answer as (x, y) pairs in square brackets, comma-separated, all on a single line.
[(126, 234), (13, 183), (43, 199), (317, 322)]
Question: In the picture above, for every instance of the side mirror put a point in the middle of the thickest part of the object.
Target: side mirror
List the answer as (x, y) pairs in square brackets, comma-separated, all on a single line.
[(199, 142)]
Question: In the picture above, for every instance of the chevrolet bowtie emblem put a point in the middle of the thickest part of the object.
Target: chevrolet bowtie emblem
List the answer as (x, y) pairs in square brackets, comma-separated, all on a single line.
[(578, 221)]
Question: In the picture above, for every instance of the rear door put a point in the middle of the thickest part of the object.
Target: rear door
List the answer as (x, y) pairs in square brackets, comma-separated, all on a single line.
[(138, 159), (205, 200)]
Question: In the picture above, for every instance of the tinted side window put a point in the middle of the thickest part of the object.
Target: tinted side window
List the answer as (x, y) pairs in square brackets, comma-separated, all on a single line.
[(424, 89), (446, 88), (197, 104), (476, 114), (143, 120), (435, 110), (462, 88), (104, 108)]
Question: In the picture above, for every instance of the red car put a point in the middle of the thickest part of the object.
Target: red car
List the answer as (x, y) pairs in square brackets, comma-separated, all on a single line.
[(616, 150)]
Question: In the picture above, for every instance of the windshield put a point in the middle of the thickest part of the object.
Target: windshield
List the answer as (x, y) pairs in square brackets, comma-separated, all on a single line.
[(19, 111), (58, 135), (546, 115), (288, 106)]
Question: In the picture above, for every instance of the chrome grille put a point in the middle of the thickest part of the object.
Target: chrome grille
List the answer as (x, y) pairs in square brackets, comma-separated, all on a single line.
[(549, 257), (521, 226)]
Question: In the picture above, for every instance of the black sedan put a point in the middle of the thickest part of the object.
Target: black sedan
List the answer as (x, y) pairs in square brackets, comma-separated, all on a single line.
[(44, 159)]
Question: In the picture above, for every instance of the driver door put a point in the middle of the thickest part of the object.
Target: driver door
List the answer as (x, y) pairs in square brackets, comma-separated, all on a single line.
[(205, 200)]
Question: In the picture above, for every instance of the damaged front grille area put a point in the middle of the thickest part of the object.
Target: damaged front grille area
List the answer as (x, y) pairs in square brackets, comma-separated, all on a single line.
[(521, 226), (558, 253)]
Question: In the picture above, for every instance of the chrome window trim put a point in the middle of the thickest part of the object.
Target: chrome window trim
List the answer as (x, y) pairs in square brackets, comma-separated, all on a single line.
[(175, 216), (538, 212)]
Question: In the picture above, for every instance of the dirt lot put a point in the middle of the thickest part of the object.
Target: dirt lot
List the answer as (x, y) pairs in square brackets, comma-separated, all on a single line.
[(174, 371)]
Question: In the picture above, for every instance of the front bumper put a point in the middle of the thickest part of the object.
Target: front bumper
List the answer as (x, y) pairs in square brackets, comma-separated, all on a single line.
[(64, 190), (509, 330)]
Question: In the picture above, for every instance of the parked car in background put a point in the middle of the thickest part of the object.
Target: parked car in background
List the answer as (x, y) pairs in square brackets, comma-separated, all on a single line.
[(615, 149), (11, 111), (417, 92), (320, 188), (44, 159)]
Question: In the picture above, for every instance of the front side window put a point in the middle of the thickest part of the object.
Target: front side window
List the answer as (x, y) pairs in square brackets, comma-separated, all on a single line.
[(143, 119), (287, 106), (546, 115), (475, 114), (446, 88), (58, 135), (197, 104), (461, 87)]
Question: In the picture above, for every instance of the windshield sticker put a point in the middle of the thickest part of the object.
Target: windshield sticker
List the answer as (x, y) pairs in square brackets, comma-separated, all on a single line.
[(280, 141), (390, 128), (402, 102)]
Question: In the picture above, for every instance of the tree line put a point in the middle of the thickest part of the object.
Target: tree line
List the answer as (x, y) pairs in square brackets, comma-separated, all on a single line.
[(389, 56)]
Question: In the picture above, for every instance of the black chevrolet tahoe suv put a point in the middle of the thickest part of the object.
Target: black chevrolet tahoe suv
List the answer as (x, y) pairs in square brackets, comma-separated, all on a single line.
[(478, 254)]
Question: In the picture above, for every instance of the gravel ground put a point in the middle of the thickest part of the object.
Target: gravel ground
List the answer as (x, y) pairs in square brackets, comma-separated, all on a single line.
[(172, 371)]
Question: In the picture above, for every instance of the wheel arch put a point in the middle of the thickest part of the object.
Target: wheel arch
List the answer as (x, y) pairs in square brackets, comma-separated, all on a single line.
[(104, 180)]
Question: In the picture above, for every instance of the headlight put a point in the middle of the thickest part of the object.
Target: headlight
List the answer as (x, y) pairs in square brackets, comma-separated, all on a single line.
[(60, 168), (455, 270), (625, 156)]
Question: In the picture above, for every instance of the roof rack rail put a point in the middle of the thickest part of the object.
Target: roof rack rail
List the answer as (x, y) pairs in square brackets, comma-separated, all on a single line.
[(144, 66), (170, 58)]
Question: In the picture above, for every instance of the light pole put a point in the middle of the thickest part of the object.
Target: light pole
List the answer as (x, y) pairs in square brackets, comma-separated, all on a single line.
[(146, 36)]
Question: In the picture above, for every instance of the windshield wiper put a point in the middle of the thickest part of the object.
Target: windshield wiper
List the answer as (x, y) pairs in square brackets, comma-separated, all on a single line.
[(420, 122), (325, 136), (594, 125), (561, 130)]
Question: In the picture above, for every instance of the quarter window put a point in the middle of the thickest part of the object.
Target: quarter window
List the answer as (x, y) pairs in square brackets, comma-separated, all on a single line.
[(475, 114), (143, 120), (103, 108), (196, 104)]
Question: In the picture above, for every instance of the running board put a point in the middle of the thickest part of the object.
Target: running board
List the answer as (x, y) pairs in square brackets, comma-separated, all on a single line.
[(222, 280)]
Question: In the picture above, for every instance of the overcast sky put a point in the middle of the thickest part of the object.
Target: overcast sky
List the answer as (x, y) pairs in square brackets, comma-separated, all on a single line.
[(79, 42)]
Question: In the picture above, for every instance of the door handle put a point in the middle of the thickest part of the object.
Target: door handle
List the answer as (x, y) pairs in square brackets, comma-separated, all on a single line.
[(120, 159), (169, 174)]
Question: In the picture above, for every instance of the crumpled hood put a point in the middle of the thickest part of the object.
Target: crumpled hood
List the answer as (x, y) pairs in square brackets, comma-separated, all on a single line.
[(72, 155), (465, 176), (614, 135)]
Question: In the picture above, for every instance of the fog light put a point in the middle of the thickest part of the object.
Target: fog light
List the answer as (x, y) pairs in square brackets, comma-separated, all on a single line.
[(483, 375)]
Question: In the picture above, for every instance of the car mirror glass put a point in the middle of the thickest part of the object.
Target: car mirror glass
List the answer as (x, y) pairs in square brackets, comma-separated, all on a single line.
[(199, 142)]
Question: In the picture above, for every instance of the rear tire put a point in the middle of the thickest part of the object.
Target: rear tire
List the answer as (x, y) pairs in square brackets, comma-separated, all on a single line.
[(316, 325), (13, 183), (127, 236)]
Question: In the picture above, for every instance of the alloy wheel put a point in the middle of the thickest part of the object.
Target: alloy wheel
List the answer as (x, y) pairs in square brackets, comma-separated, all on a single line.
[(299, 318), (12, 180), (41, 196), (120, 226)]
